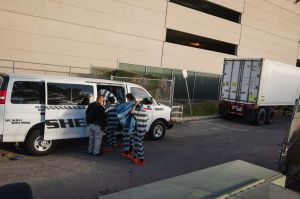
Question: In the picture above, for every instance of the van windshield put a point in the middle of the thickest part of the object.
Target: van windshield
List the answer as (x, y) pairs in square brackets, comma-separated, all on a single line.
[(139, 93)]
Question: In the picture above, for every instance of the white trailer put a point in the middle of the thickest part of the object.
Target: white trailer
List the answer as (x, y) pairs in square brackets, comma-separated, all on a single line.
[(254, 87)]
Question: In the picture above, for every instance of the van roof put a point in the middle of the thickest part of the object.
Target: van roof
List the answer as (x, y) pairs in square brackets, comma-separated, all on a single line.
[(67, 78)]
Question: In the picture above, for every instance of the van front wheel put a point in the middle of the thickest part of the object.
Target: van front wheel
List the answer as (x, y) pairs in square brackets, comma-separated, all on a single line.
[(36, 145), (157, 130)]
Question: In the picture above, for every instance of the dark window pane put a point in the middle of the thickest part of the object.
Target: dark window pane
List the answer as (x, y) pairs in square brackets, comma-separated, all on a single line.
[(69, 94), (1, 81), (27, 92), (211, 8), (118, 91), (59, 94), (139, 93), (186, 39), (82, 94)]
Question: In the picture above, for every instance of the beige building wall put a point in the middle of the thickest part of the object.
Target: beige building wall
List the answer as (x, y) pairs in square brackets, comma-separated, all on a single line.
[(81, 33), (270, 29), (184, 57), (194, 22), (86, 34), (298, 51)]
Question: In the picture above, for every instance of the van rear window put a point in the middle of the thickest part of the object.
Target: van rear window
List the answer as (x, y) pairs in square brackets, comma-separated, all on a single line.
[(27, 92), (69, 94)]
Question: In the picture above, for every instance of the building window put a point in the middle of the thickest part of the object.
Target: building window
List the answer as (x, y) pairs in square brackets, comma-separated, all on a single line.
[(211, 8), (298, 63), (186, 39)]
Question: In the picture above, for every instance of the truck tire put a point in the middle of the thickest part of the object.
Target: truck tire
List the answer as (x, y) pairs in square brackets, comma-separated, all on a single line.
[(36, 145), (260, 117), (269, 115), (157, 130)]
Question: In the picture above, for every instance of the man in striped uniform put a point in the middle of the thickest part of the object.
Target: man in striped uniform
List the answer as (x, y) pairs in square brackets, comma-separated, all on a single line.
[(112, 124), (107, 94), (141, 117)]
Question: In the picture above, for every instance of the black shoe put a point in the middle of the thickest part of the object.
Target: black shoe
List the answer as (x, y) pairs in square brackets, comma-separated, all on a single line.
[(90, 153)]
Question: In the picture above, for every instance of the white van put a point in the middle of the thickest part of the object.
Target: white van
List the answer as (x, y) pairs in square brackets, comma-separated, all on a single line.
[(39, 110)]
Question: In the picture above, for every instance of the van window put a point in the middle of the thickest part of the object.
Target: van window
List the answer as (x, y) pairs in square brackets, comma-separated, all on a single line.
[(69, 94), (139, 93), (28, 92), (1, 81), (118, 91)]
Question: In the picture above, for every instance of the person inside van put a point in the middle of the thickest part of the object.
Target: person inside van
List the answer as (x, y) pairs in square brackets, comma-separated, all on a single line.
[(96, 121), (112, 124)]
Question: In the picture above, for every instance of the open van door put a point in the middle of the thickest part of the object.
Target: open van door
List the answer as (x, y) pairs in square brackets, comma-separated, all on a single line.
[(65, 109), (289, 163)]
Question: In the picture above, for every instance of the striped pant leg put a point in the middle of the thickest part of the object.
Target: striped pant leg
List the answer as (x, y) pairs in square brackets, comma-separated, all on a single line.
[(132, 133), (138, 144), (109, 136), (126, 139), (131, 141), (113, 135), (126, 135)]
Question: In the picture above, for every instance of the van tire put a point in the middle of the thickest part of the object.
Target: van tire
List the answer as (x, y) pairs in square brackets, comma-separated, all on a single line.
[(269, 115), (36, 145), (157, 130), (260, 117)]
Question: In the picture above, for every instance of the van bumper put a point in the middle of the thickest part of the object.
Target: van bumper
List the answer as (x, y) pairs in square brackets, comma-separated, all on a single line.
[(170, 124)]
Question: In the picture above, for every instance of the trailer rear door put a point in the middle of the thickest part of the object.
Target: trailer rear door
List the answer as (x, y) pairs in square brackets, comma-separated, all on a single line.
[(241, 80)]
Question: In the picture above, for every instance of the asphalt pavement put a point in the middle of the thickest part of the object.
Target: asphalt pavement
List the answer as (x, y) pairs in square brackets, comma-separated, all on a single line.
[(70, 173)]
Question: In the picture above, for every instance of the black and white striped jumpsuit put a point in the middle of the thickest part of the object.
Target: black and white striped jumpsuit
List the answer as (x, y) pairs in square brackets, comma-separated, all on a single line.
[(141, 117)]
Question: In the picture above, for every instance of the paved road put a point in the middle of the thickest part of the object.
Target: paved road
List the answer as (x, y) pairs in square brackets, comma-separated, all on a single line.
[(71, 173)]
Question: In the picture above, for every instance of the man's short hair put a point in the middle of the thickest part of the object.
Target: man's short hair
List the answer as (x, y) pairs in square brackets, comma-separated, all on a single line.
[(100, 95)]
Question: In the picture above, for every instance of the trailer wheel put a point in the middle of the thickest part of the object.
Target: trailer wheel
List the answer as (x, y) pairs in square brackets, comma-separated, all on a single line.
[(260, 117), (269, 115), (36, 145)]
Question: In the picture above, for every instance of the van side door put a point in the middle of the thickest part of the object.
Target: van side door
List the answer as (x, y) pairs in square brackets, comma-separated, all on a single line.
[(65, 109), (24, 108)]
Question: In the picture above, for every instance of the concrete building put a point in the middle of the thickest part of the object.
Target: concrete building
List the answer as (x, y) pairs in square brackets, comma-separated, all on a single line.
[(182, 34)]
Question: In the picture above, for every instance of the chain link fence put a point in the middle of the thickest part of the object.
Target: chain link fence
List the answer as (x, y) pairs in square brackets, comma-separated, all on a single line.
[(162, 90)]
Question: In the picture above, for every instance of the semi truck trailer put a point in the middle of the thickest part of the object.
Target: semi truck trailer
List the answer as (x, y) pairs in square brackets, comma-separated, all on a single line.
[(253, 88)]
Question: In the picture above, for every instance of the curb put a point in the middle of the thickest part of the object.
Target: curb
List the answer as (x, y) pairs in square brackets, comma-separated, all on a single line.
[(186, 119)]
